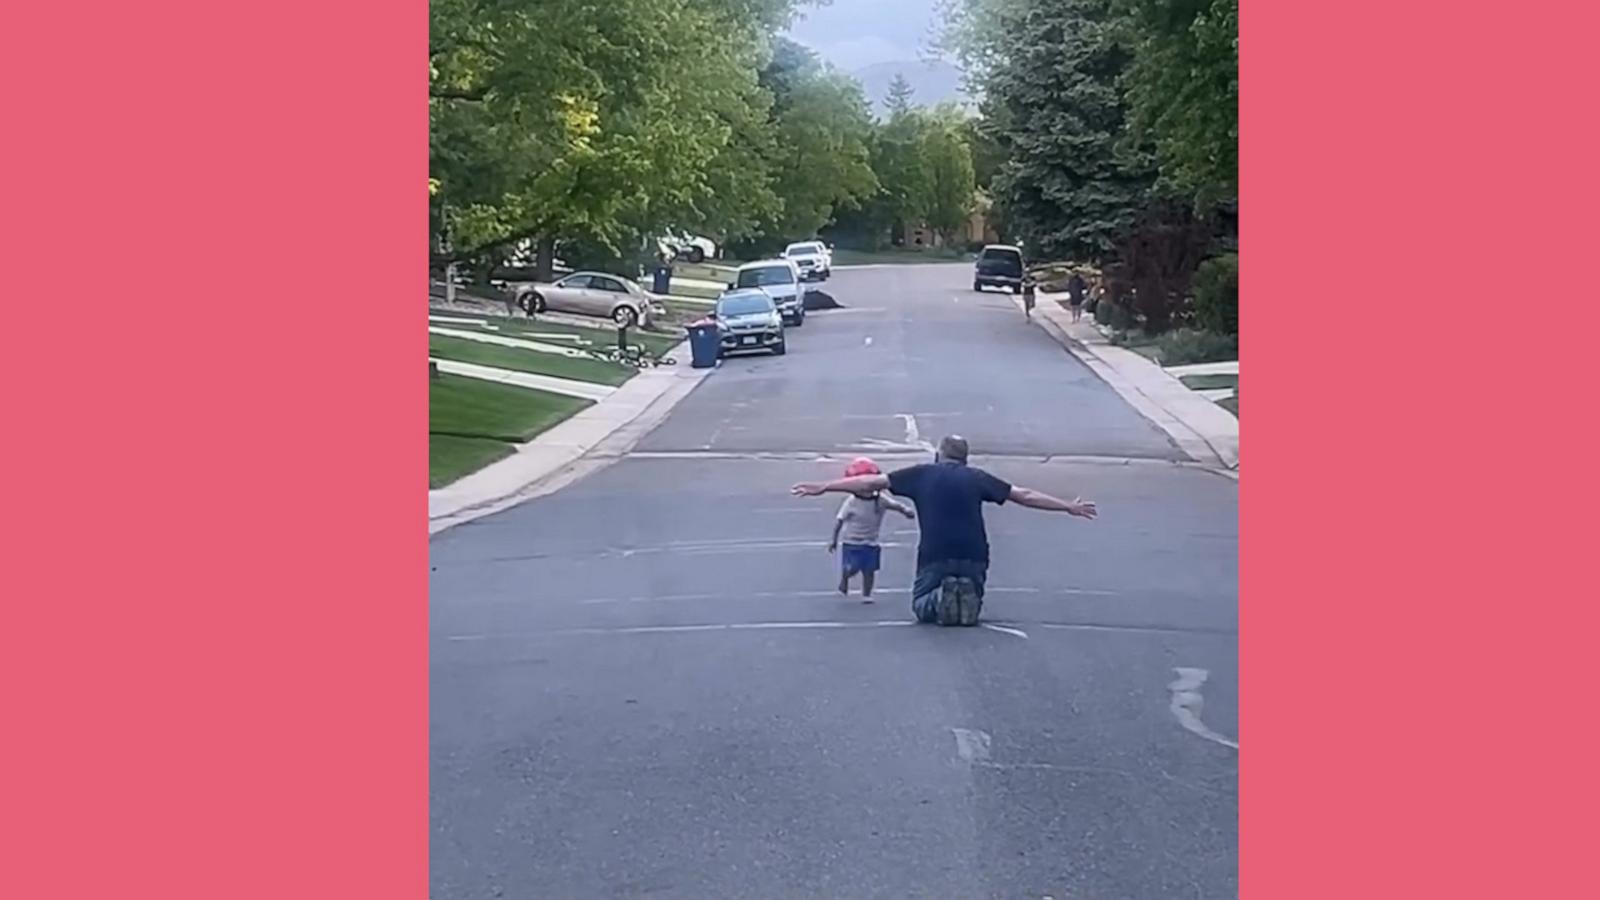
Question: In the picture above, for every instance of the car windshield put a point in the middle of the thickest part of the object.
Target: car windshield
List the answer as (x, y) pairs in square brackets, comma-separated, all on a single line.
[(803, 250), (764, 276), (744, 305)]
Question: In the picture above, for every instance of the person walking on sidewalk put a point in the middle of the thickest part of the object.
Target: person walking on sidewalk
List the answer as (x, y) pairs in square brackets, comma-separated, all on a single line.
[(1076, 287), (953, 553)]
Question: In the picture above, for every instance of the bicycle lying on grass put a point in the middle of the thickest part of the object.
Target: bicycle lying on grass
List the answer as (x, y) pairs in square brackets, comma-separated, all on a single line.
[(631, 355)]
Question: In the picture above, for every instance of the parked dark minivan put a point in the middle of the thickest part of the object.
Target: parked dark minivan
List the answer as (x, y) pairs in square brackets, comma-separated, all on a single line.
[(999, 265)]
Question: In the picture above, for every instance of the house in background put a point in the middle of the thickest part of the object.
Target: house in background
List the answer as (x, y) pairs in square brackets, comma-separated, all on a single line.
[(979, 229)]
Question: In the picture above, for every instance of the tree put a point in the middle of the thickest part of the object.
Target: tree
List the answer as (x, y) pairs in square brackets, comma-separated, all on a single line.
[(952, 181), (1050, 71), (898, 100), (598, 123), (1183, 90), (823, 162)]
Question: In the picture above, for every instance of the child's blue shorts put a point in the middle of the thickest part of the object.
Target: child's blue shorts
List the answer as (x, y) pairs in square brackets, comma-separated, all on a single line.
[(861, 558)]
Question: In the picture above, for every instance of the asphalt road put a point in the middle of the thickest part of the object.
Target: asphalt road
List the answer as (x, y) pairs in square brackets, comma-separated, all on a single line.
[(641, 685)]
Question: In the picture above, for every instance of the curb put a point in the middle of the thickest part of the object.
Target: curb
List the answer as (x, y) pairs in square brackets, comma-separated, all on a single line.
[(579, 446), (1199, 430)]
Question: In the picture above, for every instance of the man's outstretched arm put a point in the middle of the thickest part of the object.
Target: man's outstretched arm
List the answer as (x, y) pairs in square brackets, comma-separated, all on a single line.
[(860, 484), (1040, 500)]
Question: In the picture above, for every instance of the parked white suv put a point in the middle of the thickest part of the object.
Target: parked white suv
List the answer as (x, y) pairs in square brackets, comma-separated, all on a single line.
[(783, 282), (813, 258)]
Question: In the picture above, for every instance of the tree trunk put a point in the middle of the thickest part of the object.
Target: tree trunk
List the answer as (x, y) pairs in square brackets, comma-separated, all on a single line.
[(544, 265)]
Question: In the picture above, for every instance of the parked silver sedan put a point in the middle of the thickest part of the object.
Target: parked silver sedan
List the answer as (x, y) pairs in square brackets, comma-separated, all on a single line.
[(619, 299)]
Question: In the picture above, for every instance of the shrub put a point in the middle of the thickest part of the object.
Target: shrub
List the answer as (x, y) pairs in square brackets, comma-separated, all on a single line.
[(1216, 294), (1114, 314), (1186, 345)]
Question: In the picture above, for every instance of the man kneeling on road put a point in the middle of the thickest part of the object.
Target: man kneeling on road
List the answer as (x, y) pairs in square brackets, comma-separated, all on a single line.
[(953, 554)]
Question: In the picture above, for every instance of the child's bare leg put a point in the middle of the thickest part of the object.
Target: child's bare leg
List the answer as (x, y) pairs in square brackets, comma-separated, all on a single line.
[(867, 579)]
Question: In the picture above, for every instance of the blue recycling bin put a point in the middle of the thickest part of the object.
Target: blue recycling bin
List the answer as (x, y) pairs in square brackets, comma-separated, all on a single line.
[(705, 344), (661, 282)]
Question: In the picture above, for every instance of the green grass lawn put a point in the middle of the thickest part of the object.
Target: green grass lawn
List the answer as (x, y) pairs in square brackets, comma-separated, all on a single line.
[(470, 407), (472, 423), (606, 337), (679, 289), (1140, 343), (656, 341), (681, 314), (1209, 382), (519, 360), (451, 457)]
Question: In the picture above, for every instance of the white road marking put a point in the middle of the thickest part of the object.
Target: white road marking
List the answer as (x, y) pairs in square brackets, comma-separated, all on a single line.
[(679, 629), (913, 433), (1006, 630), (736, 545), (1187, 704), (1131, 629), (972, 745), (912, 443), (770, 595)]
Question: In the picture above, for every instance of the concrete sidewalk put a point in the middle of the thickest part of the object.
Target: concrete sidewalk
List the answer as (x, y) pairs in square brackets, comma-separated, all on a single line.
[(1204, 430), (499, 339), (572, 388), (587, 441)]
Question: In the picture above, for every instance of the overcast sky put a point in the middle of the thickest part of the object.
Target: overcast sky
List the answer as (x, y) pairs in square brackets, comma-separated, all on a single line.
[(852, 34)]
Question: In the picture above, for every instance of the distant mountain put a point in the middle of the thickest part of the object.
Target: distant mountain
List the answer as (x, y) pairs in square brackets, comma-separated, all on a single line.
[(932, 82)]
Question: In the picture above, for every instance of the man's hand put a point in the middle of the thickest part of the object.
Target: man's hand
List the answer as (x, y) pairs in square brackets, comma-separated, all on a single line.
[(1084, 509), (832, 546), (808, 489)]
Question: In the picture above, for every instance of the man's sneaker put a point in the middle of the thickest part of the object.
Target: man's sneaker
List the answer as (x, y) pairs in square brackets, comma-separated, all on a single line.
[(959, 603)]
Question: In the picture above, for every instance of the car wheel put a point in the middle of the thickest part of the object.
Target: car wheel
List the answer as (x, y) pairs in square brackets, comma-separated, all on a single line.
[(977, 286), (625, 317), (1016, 289), (531, 303), (780, 348), (696, 254)]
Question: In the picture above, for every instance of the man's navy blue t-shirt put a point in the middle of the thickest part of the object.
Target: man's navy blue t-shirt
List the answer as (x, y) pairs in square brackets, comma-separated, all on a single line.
[(949, 498)]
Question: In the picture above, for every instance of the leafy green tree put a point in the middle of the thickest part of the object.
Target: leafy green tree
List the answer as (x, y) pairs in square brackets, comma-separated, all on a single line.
[(598, 123), (822, 160), (1183, 90), (952, 180)]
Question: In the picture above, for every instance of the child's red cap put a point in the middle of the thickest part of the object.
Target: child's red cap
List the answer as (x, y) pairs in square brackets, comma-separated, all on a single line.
[(861, 466)]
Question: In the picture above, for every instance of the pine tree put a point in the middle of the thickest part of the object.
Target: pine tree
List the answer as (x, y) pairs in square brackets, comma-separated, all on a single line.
[(898, 99), (1068, 187)]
